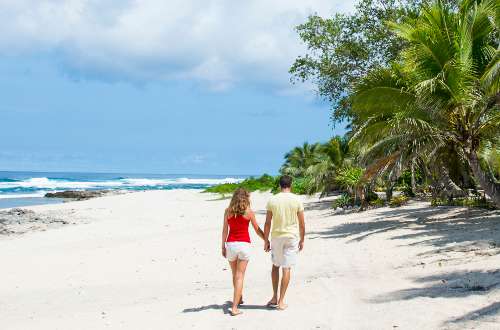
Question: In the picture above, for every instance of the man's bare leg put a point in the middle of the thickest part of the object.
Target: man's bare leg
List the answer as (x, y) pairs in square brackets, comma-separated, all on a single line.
[(285, 279), (275, 276)]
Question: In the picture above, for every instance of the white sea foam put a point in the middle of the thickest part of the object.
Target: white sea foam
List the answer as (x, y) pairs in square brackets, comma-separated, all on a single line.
[(32, 195), (179, 181), (50, 184)]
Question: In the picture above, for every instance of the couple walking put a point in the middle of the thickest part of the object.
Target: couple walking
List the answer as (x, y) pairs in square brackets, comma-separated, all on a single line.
[(285, 223)]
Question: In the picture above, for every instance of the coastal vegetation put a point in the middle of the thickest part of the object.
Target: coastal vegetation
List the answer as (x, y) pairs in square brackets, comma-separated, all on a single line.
[(418, 85)]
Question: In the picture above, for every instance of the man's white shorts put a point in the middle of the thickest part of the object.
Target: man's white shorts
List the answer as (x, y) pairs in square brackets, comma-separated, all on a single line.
[(240, 250), (284, 251)]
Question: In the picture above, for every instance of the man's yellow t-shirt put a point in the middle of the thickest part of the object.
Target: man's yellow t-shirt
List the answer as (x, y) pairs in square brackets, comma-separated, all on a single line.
[(284, 207)]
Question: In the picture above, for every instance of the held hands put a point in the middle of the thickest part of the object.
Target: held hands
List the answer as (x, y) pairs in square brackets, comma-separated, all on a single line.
[(267, 245)]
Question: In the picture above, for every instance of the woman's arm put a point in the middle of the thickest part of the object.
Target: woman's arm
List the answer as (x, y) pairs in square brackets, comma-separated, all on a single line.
[(224, 234), (255, 225)]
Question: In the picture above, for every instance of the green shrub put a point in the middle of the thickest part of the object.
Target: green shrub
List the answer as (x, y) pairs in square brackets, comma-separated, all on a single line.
[(371, 196), (264, 183), (299, 186), (343, 201), (398, 201), (464, 201), (377, 202)]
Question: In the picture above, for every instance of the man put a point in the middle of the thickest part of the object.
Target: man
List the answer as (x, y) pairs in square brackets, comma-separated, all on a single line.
[(286, 214)]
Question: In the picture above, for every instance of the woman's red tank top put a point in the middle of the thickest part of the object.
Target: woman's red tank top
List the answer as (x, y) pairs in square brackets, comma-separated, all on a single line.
[(238, 229)]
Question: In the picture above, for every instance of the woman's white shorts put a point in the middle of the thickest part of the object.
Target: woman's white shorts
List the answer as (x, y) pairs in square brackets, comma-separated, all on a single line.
[(237, 250)]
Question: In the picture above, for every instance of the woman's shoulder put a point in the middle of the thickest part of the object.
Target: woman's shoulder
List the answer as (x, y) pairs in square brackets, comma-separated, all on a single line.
[(249, 213)]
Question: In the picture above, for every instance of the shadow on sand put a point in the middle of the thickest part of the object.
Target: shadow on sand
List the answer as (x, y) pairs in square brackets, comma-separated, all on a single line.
[(480, 314), (225, 308), (447, 285), (437, 226), (444, 229), (453, 285)]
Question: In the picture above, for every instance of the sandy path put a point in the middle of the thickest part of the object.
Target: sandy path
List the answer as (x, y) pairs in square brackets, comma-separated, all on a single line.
[(151, 260)]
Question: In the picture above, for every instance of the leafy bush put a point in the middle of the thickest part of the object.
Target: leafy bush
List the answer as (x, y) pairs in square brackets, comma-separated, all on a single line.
[(379, 202), (398, 201), (371, 196), (300, 186), (264, 183), (465, 201), (343, 201)]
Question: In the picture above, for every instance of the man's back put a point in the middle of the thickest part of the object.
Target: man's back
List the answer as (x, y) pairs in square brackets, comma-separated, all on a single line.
[(284, 207)]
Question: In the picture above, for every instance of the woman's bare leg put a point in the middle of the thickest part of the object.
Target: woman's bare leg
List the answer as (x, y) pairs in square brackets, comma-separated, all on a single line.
[(233, 272), (239, 277), (233, 269)]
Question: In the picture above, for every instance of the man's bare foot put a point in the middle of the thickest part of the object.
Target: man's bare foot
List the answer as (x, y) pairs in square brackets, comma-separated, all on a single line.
[(273, 302), (282, 307), (235, 311)]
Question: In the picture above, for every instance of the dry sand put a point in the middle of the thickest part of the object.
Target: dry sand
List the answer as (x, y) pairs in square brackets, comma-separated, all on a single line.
[(151, 260)]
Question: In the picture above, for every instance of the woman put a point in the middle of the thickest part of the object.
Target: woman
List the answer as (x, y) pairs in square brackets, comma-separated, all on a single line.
[(236, 245)]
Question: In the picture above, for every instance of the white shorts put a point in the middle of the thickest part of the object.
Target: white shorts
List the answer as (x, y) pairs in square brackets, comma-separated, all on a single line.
[(284, 251), (237, 250)]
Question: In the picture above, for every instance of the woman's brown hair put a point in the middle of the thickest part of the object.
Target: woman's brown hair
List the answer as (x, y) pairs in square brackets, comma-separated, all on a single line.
[(240, 202)]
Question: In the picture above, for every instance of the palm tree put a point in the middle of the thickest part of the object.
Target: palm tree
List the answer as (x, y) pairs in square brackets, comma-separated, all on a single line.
[(444, 93), (300, 158), (351, 178)]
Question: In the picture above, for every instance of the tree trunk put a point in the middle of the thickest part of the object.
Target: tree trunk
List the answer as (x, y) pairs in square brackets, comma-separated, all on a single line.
[(491, 188), (388, 192), (413, 183), (450, 188)]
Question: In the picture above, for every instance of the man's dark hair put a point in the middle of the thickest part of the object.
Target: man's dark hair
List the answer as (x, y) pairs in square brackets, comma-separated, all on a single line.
[(285, 181)]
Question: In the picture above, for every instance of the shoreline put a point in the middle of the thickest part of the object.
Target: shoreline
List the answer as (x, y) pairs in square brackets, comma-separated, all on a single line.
[(151, 260)]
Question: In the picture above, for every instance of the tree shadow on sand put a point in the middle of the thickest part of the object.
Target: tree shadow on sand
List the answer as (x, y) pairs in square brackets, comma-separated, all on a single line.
[(225, 308), (453, 285), (450, 232), (437, 226), (447, 285), (481, 314)]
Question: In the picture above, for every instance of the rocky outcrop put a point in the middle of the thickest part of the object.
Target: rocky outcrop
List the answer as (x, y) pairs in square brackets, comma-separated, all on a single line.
[(19, 221), (78, 194)]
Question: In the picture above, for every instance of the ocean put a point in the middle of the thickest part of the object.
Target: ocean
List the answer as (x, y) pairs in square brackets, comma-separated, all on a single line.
[(28, 188)]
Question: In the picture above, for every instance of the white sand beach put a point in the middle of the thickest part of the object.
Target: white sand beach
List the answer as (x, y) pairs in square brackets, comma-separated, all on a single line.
[(151, 260)]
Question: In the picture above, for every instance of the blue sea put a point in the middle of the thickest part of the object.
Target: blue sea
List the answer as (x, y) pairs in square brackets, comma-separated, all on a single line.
[(28, 188)]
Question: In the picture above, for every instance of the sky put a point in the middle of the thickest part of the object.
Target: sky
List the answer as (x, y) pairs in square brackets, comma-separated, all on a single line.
[(155, 86)]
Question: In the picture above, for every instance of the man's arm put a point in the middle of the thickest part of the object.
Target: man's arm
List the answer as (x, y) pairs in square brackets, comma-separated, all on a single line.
[(302, 229), (255, 225), (267, 230)]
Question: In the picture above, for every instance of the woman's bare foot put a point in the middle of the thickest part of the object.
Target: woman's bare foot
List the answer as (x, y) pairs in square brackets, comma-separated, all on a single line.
[(241, 301), (235, 311), (282, 307)]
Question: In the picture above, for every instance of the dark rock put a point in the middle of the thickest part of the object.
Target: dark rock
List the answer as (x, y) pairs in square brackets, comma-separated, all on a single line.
[(78, 194)]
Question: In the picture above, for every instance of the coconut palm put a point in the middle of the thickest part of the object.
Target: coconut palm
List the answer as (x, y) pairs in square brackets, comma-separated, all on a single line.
[(352, 179), (444, 93), (300, 158)]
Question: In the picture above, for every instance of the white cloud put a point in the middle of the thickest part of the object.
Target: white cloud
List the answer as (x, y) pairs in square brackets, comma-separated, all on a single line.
[(218, 42)]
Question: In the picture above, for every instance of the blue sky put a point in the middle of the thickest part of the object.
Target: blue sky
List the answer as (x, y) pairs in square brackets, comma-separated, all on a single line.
[(144, 88)]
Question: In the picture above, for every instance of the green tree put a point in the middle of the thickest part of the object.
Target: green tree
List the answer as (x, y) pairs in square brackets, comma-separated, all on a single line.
[(444, 92), (342, 49), (316, 164), (352, 178), (300, 158)]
